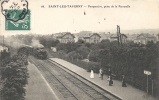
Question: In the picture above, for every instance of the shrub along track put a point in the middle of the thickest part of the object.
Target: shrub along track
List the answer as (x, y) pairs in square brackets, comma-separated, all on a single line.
[(70, 85)]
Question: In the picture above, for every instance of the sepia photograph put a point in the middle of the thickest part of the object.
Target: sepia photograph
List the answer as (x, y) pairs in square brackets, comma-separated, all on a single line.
[(79, 50)]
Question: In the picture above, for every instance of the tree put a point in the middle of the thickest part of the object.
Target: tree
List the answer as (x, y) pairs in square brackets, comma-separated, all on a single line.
[(104, 54), (55, 42), (95, 56), (104, 44), (60, 46), (88, 45), (80, 41), (83, 51), (14, 78), (73, 55), (71, 47), (4, 55), (61, 53)]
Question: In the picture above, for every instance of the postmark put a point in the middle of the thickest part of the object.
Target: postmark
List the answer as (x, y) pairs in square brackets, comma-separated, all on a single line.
[(16, 13), (14, 10)]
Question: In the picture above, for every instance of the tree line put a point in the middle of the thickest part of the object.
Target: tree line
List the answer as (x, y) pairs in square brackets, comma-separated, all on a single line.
[(130, 59), (14, 76)]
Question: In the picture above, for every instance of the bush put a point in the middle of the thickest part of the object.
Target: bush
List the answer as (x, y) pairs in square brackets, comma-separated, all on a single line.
[(88, 66), (93, 66), (14, 76)]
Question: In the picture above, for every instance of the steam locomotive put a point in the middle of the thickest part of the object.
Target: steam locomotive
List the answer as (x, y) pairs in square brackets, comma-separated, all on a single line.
[(37, 52)]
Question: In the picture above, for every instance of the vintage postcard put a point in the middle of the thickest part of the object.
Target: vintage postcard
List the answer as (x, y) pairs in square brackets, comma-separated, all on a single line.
[(79, 50)]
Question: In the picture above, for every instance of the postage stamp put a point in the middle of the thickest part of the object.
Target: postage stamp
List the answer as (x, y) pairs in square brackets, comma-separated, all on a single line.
[(17, 14), (23, 24)]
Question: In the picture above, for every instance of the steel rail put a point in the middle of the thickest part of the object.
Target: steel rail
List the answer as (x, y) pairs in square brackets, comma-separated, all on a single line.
[(68, 71), (43, 68)]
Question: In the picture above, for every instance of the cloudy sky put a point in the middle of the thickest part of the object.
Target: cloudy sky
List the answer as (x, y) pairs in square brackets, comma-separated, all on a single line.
[(140, 14)]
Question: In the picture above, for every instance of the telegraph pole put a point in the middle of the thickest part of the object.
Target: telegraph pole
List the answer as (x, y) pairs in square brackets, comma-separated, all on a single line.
[(119, 36), (3, 42), (118, 30), (152, 87), (147, 85)]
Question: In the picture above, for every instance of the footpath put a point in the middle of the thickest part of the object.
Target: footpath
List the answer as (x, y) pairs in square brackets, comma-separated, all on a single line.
[(38, 88), (125, 93)]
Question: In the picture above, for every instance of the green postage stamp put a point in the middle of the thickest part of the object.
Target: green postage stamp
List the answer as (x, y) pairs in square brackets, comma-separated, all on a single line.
[(23, 24)]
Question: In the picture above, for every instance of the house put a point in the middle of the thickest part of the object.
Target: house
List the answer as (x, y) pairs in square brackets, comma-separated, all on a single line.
[(104, 36), (114, 37), (66, 37), (92, 38), (81, 34), (57, 35), (131, 37), (76, 38), (143, 38), (123, 38)]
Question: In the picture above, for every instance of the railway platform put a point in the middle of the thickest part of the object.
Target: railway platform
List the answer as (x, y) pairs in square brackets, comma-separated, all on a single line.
[(125, 93), (37, 88)]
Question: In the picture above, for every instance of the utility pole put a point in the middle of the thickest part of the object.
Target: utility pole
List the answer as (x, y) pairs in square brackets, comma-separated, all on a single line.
[(118, 34), (147, 84), (3, 42), (152, 87), (119, 38), (153, 76)]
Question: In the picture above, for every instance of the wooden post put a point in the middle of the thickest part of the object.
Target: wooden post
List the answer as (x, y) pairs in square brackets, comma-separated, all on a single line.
[(152, 87), (147, 84), (118, 34), (3, 42)]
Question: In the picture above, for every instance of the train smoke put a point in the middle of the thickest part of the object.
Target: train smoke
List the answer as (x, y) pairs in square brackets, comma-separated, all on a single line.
[(12, 41), (36, 44)]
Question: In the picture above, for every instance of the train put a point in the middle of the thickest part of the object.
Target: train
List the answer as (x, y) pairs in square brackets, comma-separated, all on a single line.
[(37, 52)]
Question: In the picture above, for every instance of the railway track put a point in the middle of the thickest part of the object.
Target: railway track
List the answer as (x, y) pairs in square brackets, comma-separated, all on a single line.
[(55, 82), (61, 78)]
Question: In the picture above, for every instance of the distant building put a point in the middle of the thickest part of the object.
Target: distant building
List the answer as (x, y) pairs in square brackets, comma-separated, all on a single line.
[(65, 37), (56, 35), (104, 36), (143, 38), (92, 38), (124, 38), (76, 38), (131, 37), (53, 36), (114, 37)]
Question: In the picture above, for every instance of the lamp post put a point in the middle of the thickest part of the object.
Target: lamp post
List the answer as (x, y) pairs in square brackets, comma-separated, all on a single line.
[(109, 69), (147, 73), (153, 73), (109, 65)]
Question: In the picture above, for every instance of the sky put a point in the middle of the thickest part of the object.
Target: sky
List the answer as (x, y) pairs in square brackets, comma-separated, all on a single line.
[(140, 14)]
